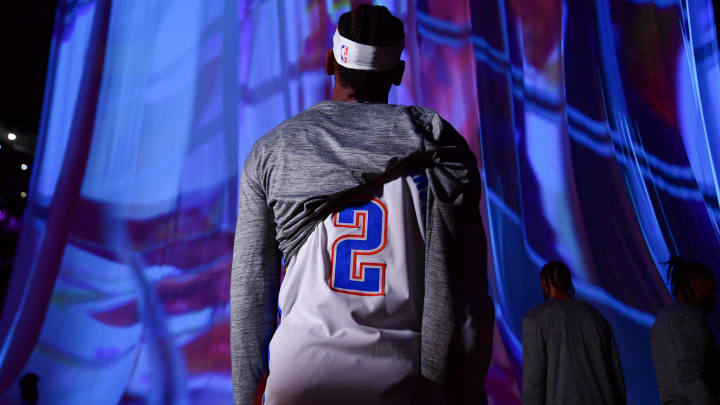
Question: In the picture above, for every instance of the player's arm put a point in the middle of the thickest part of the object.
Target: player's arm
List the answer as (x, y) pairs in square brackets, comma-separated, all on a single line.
[(534, 364), (254, 288), (471, 348), (472, 345)]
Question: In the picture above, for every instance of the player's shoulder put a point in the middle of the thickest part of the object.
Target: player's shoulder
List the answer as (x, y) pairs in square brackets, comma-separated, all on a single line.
[(287, 130), (290, 125), (558, 308), (586, 311), (682, 316), (331, 112), (336, 117), (538, 312), (348, 111)]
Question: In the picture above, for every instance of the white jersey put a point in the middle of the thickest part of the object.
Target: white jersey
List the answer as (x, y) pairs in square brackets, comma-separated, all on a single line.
[(351, 304)]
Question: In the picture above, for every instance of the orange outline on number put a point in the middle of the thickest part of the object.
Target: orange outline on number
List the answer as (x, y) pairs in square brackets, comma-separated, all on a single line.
[(354, 274)]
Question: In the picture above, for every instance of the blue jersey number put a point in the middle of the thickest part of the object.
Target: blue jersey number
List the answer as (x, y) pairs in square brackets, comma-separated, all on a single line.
[(352, 270)]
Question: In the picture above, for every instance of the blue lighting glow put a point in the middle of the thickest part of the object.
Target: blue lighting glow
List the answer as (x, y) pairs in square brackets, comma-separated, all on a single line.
[(598, 141)]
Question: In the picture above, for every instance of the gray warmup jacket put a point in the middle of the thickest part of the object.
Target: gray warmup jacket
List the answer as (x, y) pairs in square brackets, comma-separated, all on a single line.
[(291, 180), (570, 357), (686, 356)]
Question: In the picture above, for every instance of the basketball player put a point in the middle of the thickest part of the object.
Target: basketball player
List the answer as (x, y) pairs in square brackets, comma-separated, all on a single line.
[(684, 347), (374, 209), (569, 352)]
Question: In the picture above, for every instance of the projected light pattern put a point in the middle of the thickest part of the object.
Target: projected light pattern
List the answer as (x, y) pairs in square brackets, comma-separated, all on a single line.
[(599, 146)]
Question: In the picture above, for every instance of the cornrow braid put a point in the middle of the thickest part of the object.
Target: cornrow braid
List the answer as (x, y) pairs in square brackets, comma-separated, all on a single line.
[(369, 25), (681, 272), (558, 275)]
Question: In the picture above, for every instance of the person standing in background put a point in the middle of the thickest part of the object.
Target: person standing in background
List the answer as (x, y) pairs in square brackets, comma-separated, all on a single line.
[(684, 347), (569, 352), (29, 392)]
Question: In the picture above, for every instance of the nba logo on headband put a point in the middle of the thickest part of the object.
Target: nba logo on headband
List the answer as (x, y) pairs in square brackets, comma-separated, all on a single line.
[(344, 53), (365, 57)]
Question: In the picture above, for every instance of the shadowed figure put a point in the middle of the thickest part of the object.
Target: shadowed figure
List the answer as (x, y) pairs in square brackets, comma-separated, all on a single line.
[(29, 393), (569, 352), (684, 347)]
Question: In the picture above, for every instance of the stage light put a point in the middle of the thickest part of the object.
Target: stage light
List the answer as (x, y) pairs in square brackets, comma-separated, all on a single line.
[(23, 166), (12, 136), (23, 194)]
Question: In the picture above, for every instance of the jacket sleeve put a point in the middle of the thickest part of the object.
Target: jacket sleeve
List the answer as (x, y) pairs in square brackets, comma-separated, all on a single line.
[(473, 342), (619, 383), (534, 364), (457, 230), (692, 335), (254, 288)]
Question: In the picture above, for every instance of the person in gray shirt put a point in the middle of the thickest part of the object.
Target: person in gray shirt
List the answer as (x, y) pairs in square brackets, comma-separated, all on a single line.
[(569, 352), (295, 179), (684, 348)]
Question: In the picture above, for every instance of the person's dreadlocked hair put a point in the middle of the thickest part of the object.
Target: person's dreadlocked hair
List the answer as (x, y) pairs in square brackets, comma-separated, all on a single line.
[(369, 25), (681, 272), (558, 275)]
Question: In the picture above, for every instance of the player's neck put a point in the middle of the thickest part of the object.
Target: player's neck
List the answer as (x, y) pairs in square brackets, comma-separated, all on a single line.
[(342, 93), (563, 295)]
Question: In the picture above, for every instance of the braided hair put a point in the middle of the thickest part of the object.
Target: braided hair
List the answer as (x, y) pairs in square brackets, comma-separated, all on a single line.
[(558, 275), (369, 25), (681, 272)]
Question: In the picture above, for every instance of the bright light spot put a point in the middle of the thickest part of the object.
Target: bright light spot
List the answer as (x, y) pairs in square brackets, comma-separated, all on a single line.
[(23, 166), (12, 136), (23, 194)]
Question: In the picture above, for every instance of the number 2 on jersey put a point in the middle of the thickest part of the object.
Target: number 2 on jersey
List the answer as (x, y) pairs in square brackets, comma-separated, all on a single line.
[(352, 269)]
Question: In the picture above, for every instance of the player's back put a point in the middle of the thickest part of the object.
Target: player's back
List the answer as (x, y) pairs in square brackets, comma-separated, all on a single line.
[(336, 190), (580, 359), (351, 303)]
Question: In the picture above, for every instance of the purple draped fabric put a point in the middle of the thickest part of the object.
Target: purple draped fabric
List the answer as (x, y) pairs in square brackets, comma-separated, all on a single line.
[(596, 124)]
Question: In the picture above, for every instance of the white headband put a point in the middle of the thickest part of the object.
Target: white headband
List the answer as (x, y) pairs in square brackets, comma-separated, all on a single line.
[(353, 55)]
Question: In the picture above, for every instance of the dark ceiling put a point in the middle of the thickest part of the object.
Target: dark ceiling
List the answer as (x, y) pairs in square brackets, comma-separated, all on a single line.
[(26, 30), (25, 35)]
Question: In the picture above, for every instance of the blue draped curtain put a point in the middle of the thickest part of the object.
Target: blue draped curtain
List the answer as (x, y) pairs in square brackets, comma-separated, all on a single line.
[(596, 124)]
